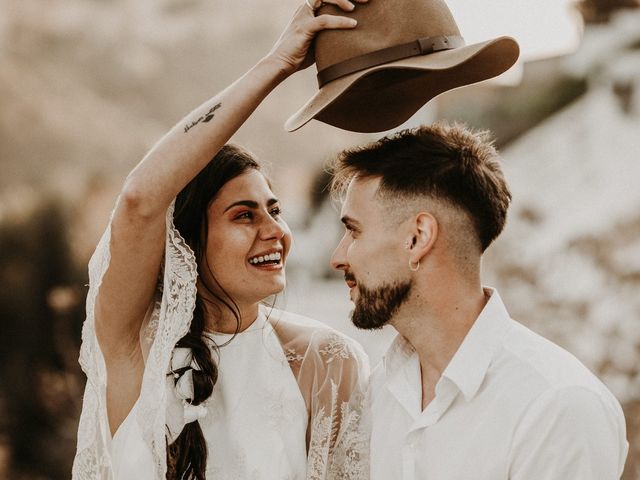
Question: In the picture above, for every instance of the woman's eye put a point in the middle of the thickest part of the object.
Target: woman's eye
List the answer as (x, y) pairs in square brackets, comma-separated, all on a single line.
[(244, 216), (275, 212)]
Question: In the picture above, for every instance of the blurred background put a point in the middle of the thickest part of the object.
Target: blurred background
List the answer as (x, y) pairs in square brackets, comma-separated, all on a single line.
[(87, 87)]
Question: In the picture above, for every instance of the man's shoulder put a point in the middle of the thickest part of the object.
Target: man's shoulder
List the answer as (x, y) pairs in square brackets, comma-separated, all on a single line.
[(562, 405), (541, 366)]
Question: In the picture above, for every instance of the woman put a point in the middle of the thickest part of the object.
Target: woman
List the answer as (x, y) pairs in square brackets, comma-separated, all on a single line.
[(188, 376)]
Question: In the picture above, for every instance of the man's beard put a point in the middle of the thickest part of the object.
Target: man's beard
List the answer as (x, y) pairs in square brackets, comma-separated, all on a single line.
[(375, 307)]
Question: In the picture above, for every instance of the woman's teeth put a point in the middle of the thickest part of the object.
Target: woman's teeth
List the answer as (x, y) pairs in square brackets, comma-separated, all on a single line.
[(272, 257)]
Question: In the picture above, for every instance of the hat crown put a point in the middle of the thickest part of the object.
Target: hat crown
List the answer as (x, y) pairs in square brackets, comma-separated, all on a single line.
[(402, 54), (382, 24)]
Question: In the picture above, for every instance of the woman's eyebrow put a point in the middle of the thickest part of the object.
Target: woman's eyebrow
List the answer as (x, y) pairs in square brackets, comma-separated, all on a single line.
[(244, 203), (250, 203)]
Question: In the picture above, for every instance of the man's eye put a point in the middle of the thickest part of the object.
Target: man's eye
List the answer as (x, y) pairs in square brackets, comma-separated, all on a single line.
[(352, 231)]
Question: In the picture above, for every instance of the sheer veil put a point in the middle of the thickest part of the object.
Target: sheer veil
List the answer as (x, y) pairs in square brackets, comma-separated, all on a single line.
[(331, 371)]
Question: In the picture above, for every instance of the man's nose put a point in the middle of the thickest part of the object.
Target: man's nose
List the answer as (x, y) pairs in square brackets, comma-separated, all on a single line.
[(339, 258)]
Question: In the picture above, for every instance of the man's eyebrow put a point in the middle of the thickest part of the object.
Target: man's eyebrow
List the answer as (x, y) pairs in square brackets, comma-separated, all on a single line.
[(348, 221), (250, 203)]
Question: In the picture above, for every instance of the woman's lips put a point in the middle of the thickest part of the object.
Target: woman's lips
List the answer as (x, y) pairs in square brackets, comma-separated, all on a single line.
[(271, 260), (268, 266)]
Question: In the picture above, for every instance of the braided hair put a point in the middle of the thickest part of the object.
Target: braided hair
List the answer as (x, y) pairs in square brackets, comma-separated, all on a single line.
[(187, 455)]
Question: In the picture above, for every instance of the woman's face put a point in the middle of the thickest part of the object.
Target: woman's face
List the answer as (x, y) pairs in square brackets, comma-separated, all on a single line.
[(248, 240)]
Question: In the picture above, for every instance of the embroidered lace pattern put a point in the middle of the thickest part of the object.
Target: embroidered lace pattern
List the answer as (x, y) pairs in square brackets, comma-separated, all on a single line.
[(336, 347), (293, 356), (92, 457), (331, 371), (169, 322)]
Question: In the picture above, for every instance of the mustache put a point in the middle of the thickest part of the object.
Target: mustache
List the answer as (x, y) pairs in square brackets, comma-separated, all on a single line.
[(349, 277)]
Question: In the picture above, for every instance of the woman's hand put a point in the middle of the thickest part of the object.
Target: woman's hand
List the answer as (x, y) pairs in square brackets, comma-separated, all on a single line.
[(292, 50)]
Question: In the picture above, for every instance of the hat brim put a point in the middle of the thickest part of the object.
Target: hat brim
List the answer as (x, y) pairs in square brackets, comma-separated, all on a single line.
[(381, 98)]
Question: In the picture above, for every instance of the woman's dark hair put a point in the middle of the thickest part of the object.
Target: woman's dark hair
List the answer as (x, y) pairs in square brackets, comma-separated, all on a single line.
[(187, 456)]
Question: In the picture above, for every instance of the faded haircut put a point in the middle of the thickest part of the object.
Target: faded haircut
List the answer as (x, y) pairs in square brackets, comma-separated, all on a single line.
[(444, 162)]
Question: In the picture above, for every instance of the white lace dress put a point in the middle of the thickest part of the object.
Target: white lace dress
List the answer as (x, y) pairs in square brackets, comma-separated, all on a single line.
[(288, 404)]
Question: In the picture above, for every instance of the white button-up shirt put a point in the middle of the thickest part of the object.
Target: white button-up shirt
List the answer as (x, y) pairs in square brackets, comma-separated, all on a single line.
[(510, 405)]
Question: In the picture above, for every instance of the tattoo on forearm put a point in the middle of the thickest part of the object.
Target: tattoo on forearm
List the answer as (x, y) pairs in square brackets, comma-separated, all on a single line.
[(204, 118)]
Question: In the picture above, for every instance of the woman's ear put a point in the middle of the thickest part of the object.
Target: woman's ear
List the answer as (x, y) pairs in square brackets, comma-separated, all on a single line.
[(425, 233)]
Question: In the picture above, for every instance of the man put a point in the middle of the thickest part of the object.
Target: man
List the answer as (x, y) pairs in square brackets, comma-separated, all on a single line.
[(464, 392)]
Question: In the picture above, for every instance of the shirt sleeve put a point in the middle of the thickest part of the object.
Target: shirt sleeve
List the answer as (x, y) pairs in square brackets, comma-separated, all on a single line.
[(338, 436), (572, 432)]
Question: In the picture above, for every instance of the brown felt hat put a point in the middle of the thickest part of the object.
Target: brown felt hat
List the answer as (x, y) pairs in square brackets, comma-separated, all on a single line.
[(402, 54)]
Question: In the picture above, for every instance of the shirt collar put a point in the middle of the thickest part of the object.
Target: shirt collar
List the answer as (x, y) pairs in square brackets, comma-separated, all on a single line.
[(402, 372), (468, 367), (397, 355)]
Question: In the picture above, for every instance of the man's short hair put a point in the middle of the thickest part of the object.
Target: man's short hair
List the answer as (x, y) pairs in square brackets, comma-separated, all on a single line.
[(446, 162)]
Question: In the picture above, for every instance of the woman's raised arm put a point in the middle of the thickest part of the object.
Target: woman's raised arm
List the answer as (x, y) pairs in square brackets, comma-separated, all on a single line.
[(138, 224)]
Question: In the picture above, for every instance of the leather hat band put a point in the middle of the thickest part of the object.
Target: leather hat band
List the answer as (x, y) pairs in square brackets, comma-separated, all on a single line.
[(422, 46)]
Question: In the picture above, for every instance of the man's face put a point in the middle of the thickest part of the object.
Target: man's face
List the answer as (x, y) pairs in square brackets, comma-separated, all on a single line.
[(373, 256)]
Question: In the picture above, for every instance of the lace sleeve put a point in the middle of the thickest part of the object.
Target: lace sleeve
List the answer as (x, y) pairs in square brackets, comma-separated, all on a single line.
[(169, 320), (338, 370), (332, 372), (92, 456)]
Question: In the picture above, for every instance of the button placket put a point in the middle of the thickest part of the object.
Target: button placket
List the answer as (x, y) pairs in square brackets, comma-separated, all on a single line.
[(410, 452)]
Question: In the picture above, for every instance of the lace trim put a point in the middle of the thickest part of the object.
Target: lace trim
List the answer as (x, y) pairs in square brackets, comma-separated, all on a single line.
[(169, 322), (92, 456), (176, 313)]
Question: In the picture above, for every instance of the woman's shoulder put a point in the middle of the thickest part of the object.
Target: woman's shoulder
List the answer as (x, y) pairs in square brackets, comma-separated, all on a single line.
[(307, 337)]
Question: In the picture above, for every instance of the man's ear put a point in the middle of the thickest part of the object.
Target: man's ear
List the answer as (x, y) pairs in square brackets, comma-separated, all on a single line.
[(424, 235)]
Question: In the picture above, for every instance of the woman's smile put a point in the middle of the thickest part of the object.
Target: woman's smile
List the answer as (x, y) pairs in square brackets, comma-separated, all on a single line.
[(269, 260)]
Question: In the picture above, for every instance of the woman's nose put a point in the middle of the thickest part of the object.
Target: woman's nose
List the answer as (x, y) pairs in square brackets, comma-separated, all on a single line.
[(271, 228)]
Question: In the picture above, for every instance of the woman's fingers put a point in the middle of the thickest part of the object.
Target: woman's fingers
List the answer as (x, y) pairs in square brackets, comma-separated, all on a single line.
[(317, 24), (292, 48), (330, 22), (345, 5)]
